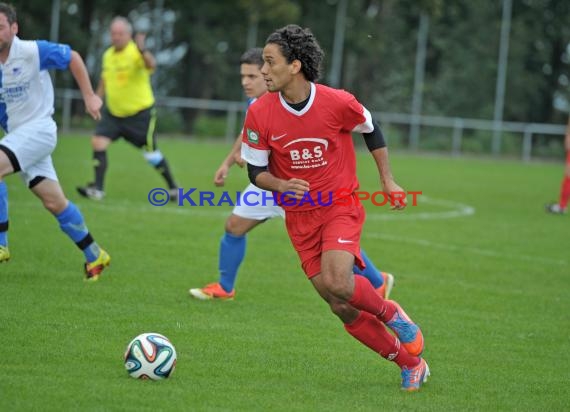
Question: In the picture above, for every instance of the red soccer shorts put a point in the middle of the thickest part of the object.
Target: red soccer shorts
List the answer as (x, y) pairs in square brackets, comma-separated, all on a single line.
[(326, 228)]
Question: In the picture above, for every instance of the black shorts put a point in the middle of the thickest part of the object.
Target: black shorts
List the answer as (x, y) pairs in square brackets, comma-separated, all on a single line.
[(138, 129)]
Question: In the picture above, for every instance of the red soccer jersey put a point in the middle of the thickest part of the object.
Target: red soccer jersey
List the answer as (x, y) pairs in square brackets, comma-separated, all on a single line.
[(313, 144)]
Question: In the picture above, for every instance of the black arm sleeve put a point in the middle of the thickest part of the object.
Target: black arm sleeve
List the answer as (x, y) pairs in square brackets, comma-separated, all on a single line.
[(375, 139), (253, 171)]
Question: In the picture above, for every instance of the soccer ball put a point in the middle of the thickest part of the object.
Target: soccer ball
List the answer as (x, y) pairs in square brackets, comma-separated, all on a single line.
[(150, 356)]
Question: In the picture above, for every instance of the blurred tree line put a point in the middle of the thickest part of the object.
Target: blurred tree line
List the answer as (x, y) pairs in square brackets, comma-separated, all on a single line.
[(198, 45)]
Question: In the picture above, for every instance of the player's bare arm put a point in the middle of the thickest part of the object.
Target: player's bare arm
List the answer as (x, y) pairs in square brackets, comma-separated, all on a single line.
[(389, 185), (265, 180), (100, 88), (149, 60), (92, 101), (374, 139), (238, 159), (236, 153), (228, 162)]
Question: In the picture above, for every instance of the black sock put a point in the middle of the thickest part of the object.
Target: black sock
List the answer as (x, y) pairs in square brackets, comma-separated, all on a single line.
[(4, 233), (100, 164), (164, 170)]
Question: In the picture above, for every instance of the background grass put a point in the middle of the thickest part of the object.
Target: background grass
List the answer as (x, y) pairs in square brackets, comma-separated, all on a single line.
[(491, 291)]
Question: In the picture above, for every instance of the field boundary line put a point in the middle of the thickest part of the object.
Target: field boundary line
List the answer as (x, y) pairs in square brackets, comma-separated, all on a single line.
[(458, 209), (457, 248)]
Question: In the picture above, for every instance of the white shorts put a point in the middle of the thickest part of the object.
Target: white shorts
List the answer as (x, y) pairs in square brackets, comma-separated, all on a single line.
[(257, 204), (32, 144)]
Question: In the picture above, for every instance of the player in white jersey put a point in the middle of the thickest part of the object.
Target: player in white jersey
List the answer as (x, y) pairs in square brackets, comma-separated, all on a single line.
[(26, 109), (247, 215)]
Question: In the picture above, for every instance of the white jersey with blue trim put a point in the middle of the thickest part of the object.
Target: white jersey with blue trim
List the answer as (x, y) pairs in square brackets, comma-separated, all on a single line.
[(26, 91)]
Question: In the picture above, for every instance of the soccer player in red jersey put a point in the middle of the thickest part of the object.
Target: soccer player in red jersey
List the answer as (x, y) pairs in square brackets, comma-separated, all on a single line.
[(297, 143), (560, 207), (245, 218)]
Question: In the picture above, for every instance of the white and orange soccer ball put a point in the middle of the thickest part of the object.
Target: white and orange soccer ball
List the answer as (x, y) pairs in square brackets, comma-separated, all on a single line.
[(150, 356)]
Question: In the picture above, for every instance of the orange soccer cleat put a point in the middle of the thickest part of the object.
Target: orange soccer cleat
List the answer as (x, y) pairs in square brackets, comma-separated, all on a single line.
[(407, 331), (212, 291), (386, 288), (413, 378)]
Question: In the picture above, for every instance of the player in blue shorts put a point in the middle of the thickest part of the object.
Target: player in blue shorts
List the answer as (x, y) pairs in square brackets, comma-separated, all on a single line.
[(26, 109)]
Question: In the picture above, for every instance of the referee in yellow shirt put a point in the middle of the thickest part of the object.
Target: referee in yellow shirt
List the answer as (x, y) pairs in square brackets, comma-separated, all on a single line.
[(129, 106)]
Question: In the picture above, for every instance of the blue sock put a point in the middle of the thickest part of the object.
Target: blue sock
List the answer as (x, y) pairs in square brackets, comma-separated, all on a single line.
[(232, 252), (370, 272), (72, 223), (3, 214)]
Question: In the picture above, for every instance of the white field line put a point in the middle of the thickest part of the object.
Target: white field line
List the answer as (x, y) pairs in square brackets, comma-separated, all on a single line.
[(143, 207), (472, 250), (457, 209), (460, 210)]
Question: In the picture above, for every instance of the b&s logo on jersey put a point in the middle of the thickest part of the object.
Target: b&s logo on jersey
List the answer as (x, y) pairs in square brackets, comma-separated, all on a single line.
[(252, 136), (308, 153)]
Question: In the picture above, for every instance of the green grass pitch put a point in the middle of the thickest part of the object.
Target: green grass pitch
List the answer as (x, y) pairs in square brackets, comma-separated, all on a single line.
[(478, 265)]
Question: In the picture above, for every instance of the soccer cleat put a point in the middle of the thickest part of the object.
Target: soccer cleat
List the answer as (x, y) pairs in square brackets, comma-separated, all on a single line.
[(413, 378), (387, 285), (91, 192), (555, 209), (94, 269), (407, 331), (173, 194), (4, 254), (212, 291)]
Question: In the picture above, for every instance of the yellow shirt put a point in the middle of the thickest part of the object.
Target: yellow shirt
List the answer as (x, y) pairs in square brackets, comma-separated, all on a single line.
[(127, 81)]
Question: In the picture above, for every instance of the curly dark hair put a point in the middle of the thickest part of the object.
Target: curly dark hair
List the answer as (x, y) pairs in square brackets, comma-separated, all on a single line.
[(252, 56), (300, 44)]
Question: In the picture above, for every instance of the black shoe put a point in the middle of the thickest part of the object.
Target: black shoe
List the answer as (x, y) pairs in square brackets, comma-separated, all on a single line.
[(91, 192), (555, 209), (173, 194)]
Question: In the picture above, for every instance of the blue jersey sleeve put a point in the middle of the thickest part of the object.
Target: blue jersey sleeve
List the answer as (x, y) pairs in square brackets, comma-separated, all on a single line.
[(53, 55)]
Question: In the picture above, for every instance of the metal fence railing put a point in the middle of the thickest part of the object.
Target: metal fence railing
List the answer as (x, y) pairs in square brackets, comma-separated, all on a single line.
[(457, 125)]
